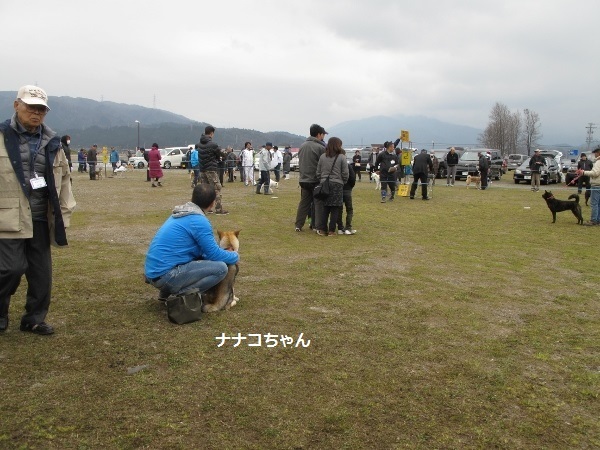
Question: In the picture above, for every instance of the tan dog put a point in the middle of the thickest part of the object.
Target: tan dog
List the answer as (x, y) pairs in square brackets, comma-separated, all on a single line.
[(222, 295), (473, 179), (98, 174)]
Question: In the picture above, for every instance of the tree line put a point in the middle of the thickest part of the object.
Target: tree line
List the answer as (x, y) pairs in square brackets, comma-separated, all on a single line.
[(511, 132)]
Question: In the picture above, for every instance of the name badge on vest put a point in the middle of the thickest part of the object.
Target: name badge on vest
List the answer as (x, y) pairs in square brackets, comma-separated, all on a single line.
[(38, 182)]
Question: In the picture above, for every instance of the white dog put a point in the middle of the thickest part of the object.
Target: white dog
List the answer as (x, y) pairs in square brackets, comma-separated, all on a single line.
[(273, 185), (377, 181)]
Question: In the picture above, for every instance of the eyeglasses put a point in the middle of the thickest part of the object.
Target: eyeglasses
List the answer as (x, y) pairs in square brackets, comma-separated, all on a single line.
[(35, 109)]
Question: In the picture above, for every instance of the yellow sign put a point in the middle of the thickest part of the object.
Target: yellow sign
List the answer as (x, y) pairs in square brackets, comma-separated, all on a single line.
[(104, 155), (406, 154), (404, 136), (403, 190)]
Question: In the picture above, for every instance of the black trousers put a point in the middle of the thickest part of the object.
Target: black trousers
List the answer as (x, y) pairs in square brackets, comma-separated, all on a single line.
[(484, 178), (307, 205), (33, 258), (349, 212), (419, 178)]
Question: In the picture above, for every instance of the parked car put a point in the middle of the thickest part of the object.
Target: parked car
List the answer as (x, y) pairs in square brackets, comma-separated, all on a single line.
[(138, 162), (440, 154), (469, 161), (571, 171), (550, 172), (515, 160), (294, 162), (174, 156)]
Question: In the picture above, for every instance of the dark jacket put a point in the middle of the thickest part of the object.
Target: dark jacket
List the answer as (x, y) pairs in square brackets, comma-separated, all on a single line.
[(451, 159), (585, 164), (484, 163), (209, 153), (351, 178), (422, 164), (385, 161), (533, 163)]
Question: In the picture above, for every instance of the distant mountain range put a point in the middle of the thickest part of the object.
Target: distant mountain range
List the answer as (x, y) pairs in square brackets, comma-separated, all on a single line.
[(114, 124)]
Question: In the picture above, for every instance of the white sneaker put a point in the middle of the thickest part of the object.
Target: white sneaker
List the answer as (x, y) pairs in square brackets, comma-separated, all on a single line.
[(350, 232)]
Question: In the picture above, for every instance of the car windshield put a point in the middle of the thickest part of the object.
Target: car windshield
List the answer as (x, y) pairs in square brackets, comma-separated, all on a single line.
[(515, 157), (469, 156)]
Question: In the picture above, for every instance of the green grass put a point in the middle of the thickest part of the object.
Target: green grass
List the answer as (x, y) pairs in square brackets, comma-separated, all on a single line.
[(463, 322)]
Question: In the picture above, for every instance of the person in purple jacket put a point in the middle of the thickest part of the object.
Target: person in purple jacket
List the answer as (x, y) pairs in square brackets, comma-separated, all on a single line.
[(184, 255)]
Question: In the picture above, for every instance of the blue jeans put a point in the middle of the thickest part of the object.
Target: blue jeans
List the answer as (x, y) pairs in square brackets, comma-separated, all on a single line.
[(200, 275), (595, 203)]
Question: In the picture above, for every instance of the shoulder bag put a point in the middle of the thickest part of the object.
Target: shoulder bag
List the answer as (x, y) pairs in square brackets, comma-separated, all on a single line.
[(321, 191)]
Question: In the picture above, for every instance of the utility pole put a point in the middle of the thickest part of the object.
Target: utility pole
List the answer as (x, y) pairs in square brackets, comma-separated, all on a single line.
[(590, 132)]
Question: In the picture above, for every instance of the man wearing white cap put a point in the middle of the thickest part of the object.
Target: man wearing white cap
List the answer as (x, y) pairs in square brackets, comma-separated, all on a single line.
[(36, 202)]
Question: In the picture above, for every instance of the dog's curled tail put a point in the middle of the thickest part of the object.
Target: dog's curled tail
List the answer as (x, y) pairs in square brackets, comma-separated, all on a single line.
[(575, 197)]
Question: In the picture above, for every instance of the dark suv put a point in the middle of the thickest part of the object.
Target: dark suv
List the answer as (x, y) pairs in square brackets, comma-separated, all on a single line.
[(440, 154), (469, 161)]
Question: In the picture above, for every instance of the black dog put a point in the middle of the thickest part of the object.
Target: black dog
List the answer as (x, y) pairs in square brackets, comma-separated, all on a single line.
[(563, 205)]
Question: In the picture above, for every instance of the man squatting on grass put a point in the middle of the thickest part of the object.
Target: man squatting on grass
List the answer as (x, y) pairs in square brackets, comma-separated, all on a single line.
[(184, 256), (36, 202), (594, 175)]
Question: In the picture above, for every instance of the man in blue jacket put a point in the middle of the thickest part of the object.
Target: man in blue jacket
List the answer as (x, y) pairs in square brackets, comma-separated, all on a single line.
[(184, 255)]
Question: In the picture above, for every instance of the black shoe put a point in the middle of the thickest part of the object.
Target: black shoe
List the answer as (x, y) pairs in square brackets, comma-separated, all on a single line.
[(425, 198), (412, 198), (41, 328), (3, 323)]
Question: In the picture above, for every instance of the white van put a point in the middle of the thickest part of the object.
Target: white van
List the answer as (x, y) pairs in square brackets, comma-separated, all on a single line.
[(174, 155)]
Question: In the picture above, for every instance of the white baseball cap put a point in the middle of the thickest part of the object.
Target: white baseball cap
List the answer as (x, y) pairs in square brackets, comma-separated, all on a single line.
[(33, 95)]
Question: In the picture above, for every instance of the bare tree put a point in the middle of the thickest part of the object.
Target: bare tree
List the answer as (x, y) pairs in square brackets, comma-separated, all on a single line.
[(502, 132), (531, 130)]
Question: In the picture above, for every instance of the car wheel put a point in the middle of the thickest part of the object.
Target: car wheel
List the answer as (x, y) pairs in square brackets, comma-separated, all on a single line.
[(544, 181), (516, 181), (167, 164), (140, 165)]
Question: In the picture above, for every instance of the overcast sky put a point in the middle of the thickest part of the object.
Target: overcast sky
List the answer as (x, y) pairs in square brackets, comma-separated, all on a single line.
[(276, 65)]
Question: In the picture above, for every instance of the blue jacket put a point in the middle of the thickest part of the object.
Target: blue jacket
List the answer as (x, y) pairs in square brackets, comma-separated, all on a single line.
[(186, 236), (194, 158)]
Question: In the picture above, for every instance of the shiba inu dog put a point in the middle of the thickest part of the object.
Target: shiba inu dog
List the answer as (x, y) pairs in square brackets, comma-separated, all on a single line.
[(222, 295), (563, 205), (473, 179)]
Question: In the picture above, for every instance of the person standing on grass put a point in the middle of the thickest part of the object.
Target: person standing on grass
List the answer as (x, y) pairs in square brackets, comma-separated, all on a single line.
[(277, 162), (594, 175), (114, 158), (536, 163), (265, 163), (81, 161), (347, 201), (195, 164), (356, 159), (333, 165), (35, 186), (287, 159), (421, 167), (210, 154), (231, 163), (387, 164), (451, 162), (247, 157), (484, 167), (584, 164), (308, 158), (154, 166), (92, 159)]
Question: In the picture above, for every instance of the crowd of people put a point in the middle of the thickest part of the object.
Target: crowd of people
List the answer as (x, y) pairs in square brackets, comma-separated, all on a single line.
[(38, 200)]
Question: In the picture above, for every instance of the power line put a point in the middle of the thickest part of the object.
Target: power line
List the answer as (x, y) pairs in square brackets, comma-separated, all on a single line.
[(590, 133)]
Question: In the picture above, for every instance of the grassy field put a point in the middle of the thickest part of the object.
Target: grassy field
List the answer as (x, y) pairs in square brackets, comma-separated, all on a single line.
[(469, 321)]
